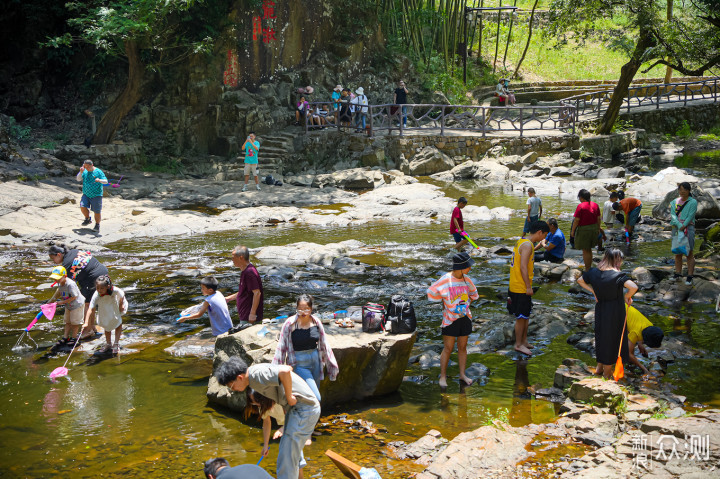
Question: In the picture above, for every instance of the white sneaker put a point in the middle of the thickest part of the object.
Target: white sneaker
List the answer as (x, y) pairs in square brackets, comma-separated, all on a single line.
[(244, 188), (258, 187)]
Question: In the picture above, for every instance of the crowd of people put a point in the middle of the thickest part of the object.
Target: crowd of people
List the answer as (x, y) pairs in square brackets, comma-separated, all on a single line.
[(288, 388), (346, 109)]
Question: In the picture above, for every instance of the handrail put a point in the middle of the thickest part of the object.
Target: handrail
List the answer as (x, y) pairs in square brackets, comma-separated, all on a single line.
[(592, 103), (448, 118)]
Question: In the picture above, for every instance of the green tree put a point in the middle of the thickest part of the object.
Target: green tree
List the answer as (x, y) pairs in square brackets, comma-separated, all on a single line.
[(148, 34), (689, 42)]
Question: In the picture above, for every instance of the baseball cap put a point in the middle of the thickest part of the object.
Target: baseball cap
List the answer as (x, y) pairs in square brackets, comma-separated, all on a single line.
[(58, 272)]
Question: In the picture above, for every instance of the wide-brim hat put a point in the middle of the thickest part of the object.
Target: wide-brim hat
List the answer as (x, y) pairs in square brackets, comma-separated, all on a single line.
[(462, 261), (338, 88), (58, 272), (360, 91)]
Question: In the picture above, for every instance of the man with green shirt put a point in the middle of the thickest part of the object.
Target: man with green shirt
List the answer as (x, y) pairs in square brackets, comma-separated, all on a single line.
[(93, 180), (251, 147)]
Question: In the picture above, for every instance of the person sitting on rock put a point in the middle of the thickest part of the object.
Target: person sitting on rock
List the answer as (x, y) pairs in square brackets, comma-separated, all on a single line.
[(641, 332), (631, 207), (301, 110), (554, 244), (456, 290), (215, 305)]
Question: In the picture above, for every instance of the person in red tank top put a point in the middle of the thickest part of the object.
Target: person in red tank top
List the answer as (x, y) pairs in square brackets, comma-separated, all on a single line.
[(456, 224)]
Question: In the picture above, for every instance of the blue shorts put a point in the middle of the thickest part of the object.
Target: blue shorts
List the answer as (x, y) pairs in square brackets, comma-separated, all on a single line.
[(95, 204), (458, 237), (633, 216), (526, 228)]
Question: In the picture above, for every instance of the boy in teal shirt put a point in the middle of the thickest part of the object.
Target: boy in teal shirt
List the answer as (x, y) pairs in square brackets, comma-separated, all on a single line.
[(251, 147)]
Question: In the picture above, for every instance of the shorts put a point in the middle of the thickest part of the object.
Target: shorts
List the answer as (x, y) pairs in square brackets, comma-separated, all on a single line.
[(459, 327), (634, 216), (74, 316), (526, 228), (251, 168), (546, 256), (586, 236), (519, 305), (457, 237), (95, 204)]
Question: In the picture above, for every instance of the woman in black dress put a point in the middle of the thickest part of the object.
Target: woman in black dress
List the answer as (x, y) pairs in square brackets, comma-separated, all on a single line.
[(606, 282), (82, 268)]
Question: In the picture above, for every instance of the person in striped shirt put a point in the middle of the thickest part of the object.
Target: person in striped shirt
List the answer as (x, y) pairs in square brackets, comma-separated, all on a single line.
[(456, 290)]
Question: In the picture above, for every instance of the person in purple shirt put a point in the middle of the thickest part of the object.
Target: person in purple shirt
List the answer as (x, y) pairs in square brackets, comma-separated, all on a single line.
[(249, 298)]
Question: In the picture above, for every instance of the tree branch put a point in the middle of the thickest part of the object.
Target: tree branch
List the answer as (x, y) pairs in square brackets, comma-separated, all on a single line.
[(686, 71)]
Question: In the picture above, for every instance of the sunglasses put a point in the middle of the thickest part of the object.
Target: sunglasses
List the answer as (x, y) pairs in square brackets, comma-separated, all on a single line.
[(304, 311)]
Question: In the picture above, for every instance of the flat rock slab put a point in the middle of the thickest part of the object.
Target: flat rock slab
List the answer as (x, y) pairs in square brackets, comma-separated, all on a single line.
[(200, 345), (597, 391), (371, 364)]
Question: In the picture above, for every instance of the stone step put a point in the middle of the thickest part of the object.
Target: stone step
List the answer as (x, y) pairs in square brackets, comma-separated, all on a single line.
[(273, 149)]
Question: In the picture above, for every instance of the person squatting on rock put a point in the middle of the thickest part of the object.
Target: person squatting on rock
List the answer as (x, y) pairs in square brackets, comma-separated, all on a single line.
[(606, 283), (83, 268), (554, 244), (585, 230), (303, 346), (251, 147), (93, 180), (219, 468), (457, 225), (215, 306), (520, 291), (641, 332), (534, 210), (456, 291), (631, 208), (110, 303), (249, 298), (73, 300), (682, 219), (280, 384)]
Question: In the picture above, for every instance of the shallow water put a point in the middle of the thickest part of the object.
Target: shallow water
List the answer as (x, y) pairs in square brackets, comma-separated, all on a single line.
[(146, 412)]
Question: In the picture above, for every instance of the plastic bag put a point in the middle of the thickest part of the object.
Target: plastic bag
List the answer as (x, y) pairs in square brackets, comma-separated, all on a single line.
[(680, 243), (369, 473)]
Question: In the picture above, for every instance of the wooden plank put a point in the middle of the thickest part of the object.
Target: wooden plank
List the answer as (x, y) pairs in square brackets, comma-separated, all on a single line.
[(346, 466)]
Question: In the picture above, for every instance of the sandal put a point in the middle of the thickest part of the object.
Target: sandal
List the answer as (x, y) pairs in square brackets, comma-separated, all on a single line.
[(116, 348), (107, 347)]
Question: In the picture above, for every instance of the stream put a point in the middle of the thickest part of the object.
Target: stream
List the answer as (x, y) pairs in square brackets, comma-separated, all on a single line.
[(145, 412)]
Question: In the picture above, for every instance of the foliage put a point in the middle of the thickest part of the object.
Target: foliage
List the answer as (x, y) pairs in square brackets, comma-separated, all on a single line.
[(501, 415), (712, 135), (163, 164), (47, 145), (17, 131), (684, 131), (622, 125), (161, 28)]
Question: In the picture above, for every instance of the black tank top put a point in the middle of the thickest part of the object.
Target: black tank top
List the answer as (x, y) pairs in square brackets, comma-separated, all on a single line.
[(305, 339)]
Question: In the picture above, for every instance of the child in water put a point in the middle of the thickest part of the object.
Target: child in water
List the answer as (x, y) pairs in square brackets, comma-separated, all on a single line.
[(215, 305), (74, 303), (110, 304)]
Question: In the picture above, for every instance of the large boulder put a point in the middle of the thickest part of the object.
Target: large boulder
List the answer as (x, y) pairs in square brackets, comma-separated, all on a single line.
[(429, 161), (599, 392), (370, 364), (708, 207)]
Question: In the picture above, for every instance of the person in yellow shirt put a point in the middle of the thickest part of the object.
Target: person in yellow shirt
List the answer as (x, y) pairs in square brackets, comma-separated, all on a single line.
[(641, 332), (520, 290)]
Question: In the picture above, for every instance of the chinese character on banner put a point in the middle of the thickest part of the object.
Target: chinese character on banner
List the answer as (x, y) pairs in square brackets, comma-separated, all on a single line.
[(268, 35), (230, 76), (268, 10), (257, 27)]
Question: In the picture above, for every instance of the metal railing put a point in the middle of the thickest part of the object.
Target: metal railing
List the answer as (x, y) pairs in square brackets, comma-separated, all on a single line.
[(442, 119), (595, 103)]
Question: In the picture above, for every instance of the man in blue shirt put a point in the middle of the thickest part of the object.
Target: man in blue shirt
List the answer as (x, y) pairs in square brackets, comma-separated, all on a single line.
[(251, 147), (554, 244), (93, 180)]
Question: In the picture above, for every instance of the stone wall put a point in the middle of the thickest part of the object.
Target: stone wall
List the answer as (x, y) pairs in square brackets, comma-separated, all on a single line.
[(669, 120)]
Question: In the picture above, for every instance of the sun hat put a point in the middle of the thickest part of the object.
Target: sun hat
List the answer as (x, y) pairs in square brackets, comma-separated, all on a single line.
[(652, 336), (58, 272), (338, 88), (360, 91), (309, 90), (462, 261)]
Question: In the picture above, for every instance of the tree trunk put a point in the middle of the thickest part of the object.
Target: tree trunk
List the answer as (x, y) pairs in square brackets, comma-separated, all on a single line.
[(126, 100), (668, 69), (627, 73), (527, 45)]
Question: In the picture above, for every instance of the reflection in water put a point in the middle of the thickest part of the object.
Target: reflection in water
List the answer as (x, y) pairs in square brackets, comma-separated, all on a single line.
[(521, 409)]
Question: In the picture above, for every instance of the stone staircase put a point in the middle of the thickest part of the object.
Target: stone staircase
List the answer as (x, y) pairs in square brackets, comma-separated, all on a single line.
[(275, 150)]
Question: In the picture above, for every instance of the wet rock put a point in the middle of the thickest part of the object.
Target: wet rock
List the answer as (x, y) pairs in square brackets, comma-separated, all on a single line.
[(643, 277), (477, 371), (279, 271), (201, 345), (345, 266), (708, 207), (370, 364), (614, 172), (550, 394), (474, 454), (571, 371), (422, 450), (305, 252), (597, 391)]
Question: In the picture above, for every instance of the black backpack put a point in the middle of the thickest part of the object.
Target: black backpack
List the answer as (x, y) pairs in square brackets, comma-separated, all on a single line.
[(401, 315)]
